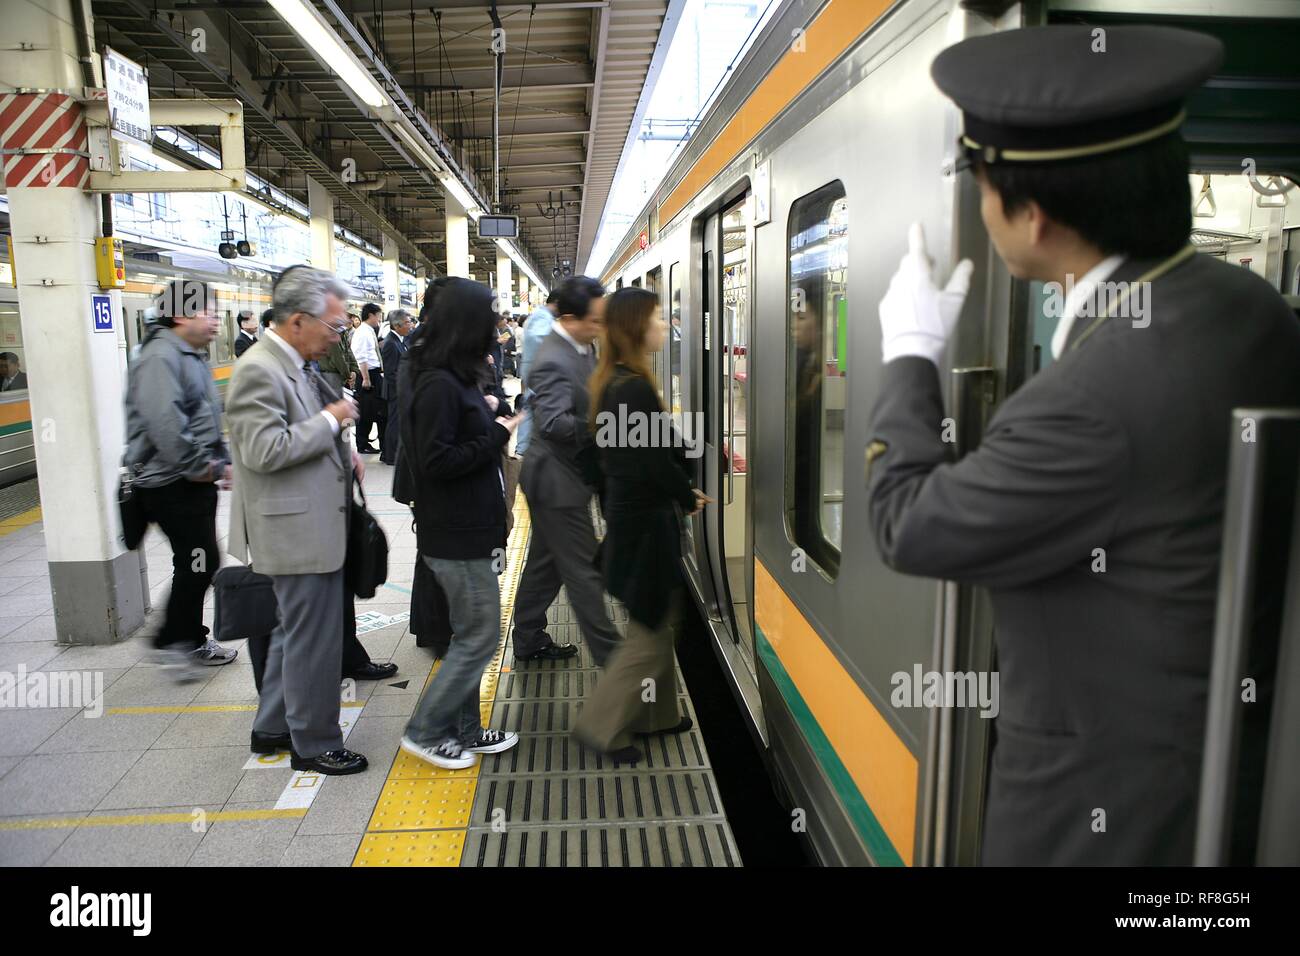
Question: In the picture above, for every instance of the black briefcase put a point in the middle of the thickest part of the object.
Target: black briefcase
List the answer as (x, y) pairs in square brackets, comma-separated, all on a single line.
[(366, 565), (134, 522), (245, 607)]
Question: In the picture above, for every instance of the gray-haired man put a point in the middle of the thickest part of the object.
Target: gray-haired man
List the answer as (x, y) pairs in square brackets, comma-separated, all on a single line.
[(293, 480)]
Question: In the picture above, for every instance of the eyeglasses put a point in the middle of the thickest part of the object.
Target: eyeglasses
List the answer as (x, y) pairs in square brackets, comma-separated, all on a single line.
[(336, 329)]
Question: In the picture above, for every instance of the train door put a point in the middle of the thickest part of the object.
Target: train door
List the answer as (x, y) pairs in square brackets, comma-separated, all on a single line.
[(728, 528)]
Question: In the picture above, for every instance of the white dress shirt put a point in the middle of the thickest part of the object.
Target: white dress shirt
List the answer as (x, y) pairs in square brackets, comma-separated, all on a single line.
[(299, 362), (1081, 293), (558, 329), (365, 346)]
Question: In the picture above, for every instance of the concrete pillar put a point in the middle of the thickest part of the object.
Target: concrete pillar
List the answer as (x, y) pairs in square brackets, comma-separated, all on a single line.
[(392, 277), (505, 291), (523, 291), (76, 374), (320, 204), (457, 237)]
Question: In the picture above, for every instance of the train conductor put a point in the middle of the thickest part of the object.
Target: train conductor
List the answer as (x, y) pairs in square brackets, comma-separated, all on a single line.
[(1118, 449)]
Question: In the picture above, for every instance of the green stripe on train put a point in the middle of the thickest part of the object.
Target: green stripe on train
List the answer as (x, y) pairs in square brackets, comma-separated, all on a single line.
[(15, 428), (873, 834)]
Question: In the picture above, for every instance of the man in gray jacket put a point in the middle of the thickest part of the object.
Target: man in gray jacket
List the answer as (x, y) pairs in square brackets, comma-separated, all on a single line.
[(288, 517), (555, 480), (176, 456)]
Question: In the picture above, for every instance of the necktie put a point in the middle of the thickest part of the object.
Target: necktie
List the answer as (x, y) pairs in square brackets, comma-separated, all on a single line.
[(317, 385)]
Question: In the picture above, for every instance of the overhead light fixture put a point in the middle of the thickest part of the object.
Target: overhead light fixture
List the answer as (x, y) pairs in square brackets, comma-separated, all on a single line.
[(330, 50)]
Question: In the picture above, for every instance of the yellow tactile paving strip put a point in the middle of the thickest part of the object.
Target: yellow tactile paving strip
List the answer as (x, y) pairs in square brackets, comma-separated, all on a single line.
[(423, 812), (18, 522)]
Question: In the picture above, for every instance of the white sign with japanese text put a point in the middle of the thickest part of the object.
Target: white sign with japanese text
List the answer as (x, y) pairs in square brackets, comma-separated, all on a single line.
[(127, 85)]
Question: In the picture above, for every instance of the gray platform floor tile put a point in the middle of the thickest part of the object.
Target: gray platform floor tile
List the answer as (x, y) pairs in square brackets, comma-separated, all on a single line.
[(33, 847), (146, 685), (203, 730), (321, 850), (12, 622), (63, 783), (23, 731), (153, 844), (174, 778), (245, 842), (109, 732), (230, 684), (8, 763), (32, 655), (82, 656), (263, 785)]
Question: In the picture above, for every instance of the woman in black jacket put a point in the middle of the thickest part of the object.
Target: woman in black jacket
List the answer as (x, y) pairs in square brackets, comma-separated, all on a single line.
[(645, 486), (460, 516)]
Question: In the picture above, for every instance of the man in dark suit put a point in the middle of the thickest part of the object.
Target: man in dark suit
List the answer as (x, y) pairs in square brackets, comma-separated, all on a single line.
[(555, 480), (1092, 509), (391, 351), (12, 377), (247, 332)]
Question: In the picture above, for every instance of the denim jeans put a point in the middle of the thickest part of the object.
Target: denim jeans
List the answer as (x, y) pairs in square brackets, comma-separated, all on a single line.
[(449, 708)]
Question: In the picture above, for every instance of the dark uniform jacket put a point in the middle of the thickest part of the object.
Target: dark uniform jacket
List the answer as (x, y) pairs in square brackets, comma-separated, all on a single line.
[(1120, 445), (641, 556), (242, 342)]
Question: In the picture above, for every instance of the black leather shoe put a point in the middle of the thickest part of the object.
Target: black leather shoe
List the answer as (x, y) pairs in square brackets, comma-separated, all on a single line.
[(367, 451), (551, 652), (269, 743), (680, 727), (373, 671), (334, 763)]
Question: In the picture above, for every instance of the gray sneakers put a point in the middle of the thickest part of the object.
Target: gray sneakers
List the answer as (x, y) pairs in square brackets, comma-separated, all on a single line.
[(185, 664)]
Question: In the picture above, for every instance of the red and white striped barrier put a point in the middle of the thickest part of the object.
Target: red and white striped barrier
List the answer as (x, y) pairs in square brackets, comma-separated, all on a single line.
[(43, 136)]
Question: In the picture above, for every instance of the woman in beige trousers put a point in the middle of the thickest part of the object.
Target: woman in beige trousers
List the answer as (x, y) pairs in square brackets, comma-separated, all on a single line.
[(646, 490)]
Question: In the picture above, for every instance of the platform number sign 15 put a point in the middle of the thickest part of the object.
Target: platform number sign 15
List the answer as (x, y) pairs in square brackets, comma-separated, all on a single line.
[(101, 313)]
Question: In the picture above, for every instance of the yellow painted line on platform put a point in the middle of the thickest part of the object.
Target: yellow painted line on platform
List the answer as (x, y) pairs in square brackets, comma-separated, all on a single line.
[(18, 522), (422, 816), (204, 708), (149, 819)]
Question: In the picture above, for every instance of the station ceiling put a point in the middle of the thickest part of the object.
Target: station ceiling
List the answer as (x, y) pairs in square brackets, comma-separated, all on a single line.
[(573, 84)]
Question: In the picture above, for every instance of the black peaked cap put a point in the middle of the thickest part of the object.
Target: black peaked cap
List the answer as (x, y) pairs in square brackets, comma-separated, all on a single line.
[(1052, 93)]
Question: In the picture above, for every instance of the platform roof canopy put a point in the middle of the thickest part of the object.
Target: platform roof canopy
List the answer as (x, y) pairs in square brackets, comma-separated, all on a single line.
[(574, 77)]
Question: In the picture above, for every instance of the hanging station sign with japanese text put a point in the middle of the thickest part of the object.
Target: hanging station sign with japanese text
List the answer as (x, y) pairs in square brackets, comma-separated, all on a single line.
[(127, 86)]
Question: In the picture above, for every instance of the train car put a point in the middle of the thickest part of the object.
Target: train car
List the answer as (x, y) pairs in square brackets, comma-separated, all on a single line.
[(770, 242)]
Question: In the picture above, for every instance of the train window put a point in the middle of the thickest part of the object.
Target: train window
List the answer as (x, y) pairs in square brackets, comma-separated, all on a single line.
[(675, 334), (817, 363), (13, 370)]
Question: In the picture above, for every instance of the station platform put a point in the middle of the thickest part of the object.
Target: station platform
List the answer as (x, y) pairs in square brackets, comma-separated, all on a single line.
[(158, 773)]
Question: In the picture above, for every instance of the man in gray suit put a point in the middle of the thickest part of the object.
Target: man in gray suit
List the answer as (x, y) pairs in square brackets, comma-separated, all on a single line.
[(293, 475), (555, 478)]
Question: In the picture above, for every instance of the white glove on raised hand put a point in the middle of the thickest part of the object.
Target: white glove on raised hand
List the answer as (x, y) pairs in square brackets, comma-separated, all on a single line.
[(916, 316)]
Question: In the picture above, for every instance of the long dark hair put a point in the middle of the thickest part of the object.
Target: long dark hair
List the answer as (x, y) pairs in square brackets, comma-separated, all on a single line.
[(458, 331), (627, 320)]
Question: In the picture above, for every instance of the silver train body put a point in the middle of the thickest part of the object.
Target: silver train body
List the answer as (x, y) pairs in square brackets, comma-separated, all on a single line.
[(814, 648)]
